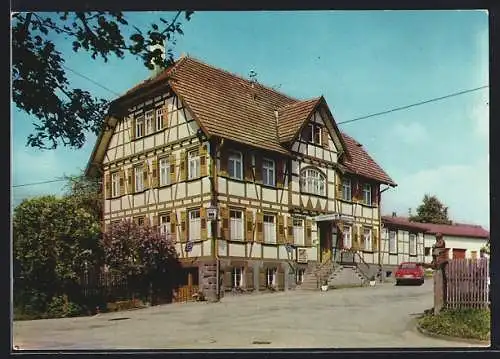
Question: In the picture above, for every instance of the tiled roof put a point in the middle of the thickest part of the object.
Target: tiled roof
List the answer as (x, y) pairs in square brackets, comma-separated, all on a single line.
[(362, 163), (231, 107), (455, 229), (292, 116)]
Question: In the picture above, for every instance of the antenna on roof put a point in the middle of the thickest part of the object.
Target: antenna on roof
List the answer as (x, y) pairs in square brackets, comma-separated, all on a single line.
[(253, 77)]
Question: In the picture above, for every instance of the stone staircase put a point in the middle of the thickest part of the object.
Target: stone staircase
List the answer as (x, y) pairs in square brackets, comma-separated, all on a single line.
[(348, 269)]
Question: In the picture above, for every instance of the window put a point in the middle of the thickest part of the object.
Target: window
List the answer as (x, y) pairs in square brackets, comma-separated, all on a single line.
[(392, 242), (236, 225), (139, 125), (413, 244), (367, 194), (312, 133), (159, 119), (269, 229), (235, 165), (367, 237), (193, 164), (427, 251), (271, 277), (347, 237), (164, 172), (115, 184), (237, 277), (149, 122), (139, 178), (194, 225), (164, 224), (139, 221), (300, 275), (268, 172), (298, 231), (346, 189), (312, 181)]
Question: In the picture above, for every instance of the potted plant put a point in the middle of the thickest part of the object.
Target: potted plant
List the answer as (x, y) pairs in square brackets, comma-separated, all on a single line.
[(372, 281)]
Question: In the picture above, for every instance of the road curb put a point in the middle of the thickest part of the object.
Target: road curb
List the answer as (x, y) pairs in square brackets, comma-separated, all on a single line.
[(449, 338)]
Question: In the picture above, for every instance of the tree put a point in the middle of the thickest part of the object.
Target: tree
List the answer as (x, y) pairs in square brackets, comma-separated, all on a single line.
[(140, 252), (431, 211), (53, 240), (39, 84)]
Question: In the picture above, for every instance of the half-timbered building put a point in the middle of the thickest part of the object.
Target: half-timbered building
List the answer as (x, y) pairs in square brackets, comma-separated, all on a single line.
[(255, 187)]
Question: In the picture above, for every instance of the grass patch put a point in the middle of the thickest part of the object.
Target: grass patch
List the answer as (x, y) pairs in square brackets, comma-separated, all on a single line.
[(461, 323)]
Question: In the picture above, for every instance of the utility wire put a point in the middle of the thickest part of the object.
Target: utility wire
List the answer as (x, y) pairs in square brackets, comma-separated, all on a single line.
[(37, 183), (339, 123), (413, 105), (89, 79)]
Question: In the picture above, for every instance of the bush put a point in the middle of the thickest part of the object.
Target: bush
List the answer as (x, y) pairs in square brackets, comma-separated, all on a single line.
[(463, 323), (58, 308)]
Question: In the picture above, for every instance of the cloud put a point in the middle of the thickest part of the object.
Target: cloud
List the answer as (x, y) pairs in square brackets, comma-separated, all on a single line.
[(410, 133), (463, 188), (479, 112)]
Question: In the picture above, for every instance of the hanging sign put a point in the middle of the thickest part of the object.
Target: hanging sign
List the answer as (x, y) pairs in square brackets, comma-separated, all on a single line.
[(189, 246)]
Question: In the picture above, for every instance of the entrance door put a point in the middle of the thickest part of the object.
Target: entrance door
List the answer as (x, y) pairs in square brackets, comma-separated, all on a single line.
[(325, 240)]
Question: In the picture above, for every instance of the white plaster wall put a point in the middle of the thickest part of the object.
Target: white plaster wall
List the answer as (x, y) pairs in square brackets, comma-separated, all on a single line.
[(269, 195), (207, 246), (236, 188), (237, 249), (255, 250), (270, 252)]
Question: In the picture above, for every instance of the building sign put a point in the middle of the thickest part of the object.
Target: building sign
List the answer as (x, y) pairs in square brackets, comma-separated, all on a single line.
[(327, 217), (211, 213), (189, 246), (301, 255), (346, 218)]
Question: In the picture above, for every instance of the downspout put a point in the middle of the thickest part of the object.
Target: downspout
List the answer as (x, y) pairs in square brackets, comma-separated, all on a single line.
[(380, 226), (214, 154)]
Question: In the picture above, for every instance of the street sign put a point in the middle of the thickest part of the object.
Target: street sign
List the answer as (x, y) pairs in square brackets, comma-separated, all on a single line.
[(289, 248), (189, 246)]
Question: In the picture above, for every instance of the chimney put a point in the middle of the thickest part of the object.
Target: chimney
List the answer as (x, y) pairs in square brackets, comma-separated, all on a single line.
[(157, 69), (394, 214)]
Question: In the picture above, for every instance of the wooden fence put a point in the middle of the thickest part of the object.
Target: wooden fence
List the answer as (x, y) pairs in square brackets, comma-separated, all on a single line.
[(467, 283)]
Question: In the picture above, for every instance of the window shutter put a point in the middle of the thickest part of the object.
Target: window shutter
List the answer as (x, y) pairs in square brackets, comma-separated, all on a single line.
[(249, 226), (224, 159), (325, 136), (154, 175), (228, 276), (203, 221), (355, 235), (280, 173), (224, 213), (289, 237), (262, 279), (248, 278), (132, 128), (203, 160), (308, 239), (122, 182), (375, 194), (357, 191), (107, 181), (145, 174), (172, 168), (184, 231), (280, 279), (258, 168), (248, 167), (173, 226), (183, 166), (131, 180), (143, 123), (375, 238), (280, 235), (338, 181), (165, 116), (260, 224)]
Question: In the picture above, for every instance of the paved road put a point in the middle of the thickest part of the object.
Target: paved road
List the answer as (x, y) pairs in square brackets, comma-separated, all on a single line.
[(382, 316)]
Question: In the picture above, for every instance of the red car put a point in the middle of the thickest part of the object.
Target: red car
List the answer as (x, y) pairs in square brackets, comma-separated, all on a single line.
[(409, 272)]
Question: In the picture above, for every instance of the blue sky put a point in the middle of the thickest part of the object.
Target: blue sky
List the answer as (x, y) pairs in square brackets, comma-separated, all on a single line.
[(363, 62)]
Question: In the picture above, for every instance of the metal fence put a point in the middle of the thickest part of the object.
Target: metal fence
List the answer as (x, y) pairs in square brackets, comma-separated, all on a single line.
[(467, 283)]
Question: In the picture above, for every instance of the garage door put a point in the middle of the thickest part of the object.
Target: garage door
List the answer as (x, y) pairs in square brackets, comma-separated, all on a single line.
[(458, 253)]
